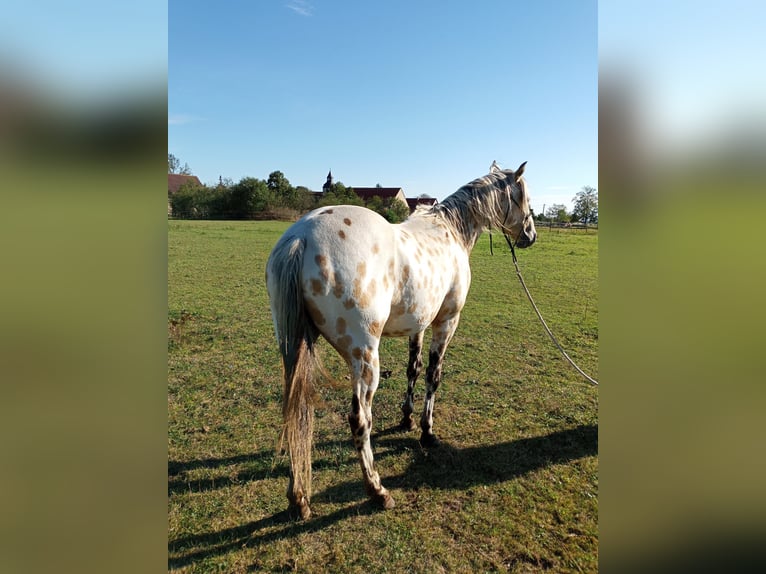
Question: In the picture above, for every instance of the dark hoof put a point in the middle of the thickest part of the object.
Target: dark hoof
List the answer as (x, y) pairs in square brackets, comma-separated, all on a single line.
[(299, 511), (384, 500), (408, 424), (429, 440)]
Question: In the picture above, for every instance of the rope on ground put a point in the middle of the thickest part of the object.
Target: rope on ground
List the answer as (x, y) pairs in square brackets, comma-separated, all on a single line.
[(591, 380)]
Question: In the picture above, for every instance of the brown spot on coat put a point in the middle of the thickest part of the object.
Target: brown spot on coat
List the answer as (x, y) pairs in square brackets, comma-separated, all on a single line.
[(316, 286), (340, 326), (324, 269), (349, 303), (376, 248), (343, 343), (337, 290), (367, 296), (315, 313), (376, 328), (357, 353), (347, 221), (342, 234), (367, 374)]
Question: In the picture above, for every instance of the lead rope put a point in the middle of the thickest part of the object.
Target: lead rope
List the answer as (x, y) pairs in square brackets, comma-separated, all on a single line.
[(591, 380)]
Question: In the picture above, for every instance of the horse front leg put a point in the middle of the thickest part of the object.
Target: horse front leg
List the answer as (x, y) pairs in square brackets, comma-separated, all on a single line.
[(366, 373), (414, 366), (442, 335)]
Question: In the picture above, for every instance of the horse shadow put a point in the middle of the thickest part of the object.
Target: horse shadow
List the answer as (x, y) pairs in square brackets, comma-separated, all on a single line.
[(444, 467), (449, 468)]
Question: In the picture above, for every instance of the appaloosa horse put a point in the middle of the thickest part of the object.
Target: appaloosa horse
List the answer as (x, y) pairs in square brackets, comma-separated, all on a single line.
[(345, 273)]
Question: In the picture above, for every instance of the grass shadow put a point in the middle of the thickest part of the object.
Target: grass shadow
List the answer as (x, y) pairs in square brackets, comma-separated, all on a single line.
[(279, 526), (257, 466), (448, 467), (444, 467)]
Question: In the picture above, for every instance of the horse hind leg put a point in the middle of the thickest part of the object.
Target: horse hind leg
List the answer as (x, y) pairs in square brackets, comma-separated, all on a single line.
[(366, 376), (441, 338), (414, 366)]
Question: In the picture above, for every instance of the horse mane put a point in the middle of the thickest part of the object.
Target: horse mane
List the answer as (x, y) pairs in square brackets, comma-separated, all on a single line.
[(473, 207)]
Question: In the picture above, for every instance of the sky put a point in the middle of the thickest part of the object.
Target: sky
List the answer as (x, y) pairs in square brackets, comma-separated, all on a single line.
[(85, 49), (699, 80), (422, 95)]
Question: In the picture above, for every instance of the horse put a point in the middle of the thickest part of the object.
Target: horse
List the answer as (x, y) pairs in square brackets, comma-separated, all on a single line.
[(345, 273)]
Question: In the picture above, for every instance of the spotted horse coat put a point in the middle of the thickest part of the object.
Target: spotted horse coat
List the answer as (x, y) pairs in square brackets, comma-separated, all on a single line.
[(345, 273)]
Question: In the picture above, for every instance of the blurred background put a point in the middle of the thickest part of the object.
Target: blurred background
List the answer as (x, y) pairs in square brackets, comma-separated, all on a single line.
[(682, 129), (682, 149), (82, 286)]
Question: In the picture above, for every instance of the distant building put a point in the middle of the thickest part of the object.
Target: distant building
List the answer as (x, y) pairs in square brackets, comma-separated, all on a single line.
[(177, 180), (414, 202), (367, 193), (328, 184)]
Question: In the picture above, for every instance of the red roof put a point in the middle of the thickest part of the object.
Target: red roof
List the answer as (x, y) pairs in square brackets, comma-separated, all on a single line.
[(176, 180), (413, 202), (367, 193)]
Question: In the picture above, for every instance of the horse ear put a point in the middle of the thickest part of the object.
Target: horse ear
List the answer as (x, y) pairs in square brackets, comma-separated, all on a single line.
[(494, 167), (520, 171)]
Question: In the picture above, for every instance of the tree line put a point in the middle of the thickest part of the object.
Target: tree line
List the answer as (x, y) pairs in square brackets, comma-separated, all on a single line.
[(585, 209), (276, 198), (272, 198)]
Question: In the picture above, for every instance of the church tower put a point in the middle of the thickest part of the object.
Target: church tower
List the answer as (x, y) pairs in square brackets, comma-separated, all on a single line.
[(328, 184)]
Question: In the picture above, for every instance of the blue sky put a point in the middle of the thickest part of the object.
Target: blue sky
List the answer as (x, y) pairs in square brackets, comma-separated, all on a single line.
[(422, 95)]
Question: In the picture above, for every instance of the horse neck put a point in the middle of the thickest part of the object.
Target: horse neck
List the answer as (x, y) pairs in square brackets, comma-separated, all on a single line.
[(469, 211)]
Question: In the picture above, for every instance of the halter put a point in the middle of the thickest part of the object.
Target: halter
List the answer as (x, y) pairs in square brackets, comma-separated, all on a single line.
[(507, 216), (504, 229)]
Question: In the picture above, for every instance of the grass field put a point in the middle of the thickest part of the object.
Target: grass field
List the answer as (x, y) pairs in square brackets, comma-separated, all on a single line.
[(513, 487)]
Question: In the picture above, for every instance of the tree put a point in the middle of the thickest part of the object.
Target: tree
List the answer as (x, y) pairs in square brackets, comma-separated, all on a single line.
[(339, 194), (174, 166), (586, 205), (557, 212), (279, 184), (249, 196), (396, 211), (193, 201), (304, 199)]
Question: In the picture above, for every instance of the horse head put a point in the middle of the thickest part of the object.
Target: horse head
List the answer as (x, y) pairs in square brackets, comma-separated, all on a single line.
[(517, 220)]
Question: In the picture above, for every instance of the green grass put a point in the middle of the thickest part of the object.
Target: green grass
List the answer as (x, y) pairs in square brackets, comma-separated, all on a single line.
[(513, 488)]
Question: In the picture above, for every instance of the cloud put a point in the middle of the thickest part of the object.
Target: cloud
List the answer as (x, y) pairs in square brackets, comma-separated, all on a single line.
[(180, 119), (301, 7)]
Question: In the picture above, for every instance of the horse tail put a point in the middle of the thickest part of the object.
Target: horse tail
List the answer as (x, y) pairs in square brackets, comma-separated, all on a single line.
[(296, 335)]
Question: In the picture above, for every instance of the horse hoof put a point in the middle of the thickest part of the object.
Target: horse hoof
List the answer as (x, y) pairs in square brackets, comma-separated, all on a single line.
[(408, 424), (384, 500), (429, 440), (299, 511)]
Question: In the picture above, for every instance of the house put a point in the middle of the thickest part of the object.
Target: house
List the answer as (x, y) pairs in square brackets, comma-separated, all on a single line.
[(367, 193), (385, 193), (176, 181), (414, 202)]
